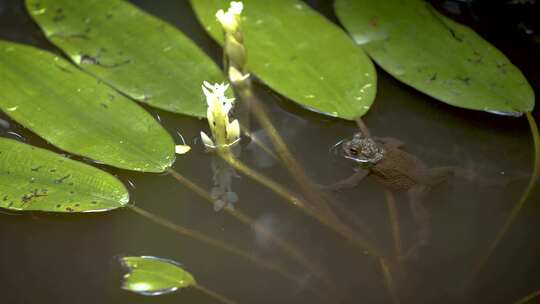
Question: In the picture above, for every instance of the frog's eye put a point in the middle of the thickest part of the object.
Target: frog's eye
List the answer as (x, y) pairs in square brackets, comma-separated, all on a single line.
[(353, 151)]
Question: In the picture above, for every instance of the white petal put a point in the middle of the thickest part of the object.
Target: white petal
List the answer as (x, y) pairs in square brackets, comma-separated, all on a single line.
[(236, 7), (207, 93), (233, 130), (236, 76), (207, 85), (228, 21), (210, 117), (219, 14), (182, 149), (206, 140)]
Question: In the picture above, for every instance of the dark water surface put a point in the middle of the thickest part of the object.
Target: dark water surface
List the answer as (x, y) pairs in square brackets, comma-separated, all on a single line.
[(73, 259)]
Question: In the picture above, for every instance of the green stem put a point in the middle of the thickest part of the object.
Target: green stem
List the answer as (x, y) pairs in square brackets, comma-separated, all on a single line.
[(517, 208), (290, 250), (214, 242), (299, 203), (220, 298), (257, 142), (394, 223), (308, 188), (528, 298), (389, 281), (350, 217)]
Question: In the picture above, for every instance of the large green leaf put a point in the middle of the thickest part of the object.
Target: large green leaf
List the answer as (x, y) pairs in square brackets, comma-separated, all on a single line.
[(36, 179), (136, 53), (436, 55), (154, 276), (75, 112), (301, 55)]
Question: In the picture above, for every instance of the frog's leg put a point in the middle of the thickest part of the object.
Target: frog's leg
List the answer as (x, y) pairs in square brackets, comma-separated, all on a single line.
[(416, 196), (349, 182), (390, 142)]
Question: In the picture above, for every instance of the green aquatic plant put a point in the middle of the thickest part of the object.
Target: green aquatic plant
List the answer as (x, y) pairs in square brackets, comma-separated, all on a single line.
[(138, 54), (95, 113), (529, 298), (78, 114), (34, 179), (156, 276), (299, 54), (436, 55)]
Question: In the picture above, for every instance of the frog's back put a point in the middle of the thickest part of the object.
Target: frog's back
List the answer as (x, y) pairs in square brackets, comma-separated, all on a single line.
[(398, 170)]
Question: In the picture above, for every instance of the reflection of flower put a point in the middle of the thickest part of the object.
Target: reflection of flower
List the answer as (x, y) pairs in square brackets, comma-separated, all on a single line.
[(230, 20), (222, 193), (224, 133)]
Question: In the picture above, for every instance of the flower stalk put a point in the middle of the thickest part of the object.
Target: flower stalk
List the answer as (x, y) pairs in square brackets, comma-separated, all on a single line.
[(234, 55)]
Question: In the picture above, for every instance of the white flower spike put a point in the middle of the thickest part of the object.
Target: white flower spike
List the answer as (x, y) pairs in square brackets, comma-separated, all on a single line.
[(230, 20), (207, 141), (224, 133)]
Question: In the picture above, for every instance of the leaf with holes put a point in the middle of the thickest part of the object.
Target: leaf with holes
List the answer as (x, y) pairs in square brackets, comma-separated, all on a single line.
[(301, 55), (436, 55), (34, 179), (154, 276), (79, 114), (136, 53)]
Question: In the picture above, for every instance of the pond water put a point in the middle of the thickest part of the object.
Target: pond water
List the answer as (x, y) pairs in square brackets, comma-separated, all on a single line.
[(74, 259)]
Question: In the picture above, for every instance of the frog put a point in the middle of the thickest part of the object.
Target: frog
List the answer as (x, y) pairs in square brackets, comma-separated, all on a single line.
[(397, 170)]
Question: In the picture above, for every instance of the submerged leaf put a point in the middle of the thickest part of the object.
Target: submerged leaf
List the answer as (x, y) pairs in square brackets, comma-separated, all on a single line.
[(136, 53), (75, 112), (154, 276), (34, 179), (300, 54), (436, 55)]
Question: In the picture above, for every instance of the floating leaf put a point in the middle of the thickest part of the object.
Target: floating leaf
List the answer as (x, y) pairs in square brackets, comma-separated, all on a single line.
[(136, 53), (75, 112), (436, 55), (301, 55), (39, 180), (154, 276)]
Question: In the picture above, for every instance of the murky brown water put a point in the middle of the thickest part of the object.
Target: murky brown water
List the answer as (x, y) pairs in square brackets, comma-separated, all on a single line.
[(72, 259)]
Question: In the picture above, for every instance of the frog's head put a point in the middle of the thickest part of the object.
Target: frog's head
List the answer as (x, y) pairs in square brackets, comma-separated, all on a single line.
[(363, 150)]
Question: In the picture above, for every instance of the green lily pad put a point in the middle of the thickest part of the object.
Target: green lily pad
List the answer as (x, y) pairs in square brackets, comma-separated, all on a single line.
[(154, 276), (34, 179), (136, 53), (79, 114), (436, 55), (301, 55)]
